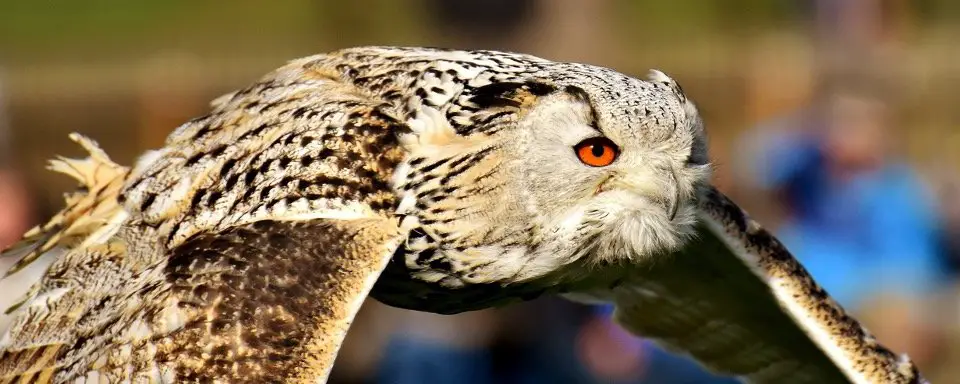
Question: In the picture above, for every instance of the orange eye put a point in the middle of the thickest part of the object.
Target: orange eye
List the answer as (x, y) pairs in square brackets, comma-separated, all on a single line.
[(597, 151)]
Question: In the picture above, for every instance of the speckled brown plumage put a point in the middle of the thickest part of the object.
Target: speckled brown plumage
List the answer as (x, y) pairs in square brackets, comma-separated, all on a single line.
[(241, 250), (254, 297), (100, 181), (300, 146)]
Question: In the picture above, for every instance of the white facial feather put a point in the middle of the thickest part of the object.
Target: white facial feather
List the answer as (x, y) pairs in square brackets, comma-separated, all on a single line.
[(567, 212), (619, 209)]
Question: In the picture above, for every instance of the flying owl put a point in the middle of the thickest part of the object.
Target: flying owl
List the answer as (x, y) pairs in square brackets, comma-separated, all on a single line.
[(430, 179)]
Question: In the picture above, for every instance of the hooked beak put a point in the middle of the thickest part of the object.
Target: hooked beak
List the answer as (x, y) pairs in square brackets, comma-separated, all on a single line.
[(673, 200), (670, 199)]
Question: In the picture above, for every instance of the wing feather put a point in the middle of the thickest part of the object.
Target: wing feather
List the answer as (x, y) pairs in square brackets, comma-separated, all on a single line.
[(737, 301), (86, 210), (282, 192), (267, 318), (269, 301)]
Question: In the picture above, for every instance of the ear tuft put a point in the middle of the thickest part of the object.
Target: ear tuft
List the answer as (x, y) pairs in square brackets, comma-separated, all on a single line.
[(660, 77)]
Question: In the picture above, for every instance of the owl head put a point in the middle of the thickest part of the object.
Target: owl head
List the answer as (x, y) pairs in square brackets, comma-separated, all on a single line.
[(524, 174)]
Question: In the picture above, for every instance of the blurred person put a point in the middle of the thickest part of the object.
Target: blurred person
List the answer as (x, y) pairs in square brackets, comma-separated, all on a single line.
[(855, 213)]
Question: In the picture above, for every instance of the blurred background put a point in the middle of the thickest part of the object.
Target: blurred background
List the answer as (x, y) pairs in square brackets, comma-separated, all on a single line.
[(834, 122)]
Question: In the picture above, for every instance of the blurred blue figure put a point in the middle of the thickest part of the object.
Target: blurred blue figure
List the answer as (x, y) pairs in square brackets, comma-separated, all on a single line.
[(411, 360), (431, 348), (858, 219)]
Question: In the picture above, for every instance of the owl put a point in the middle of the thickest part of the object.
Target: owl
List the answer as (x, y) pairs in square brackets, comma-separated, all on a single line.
[(428, 179)]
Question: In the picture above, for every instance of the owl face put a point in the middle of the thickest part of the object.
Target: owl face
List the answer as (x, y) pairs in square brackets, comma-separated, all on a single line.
[(605, 178), (579, 168)]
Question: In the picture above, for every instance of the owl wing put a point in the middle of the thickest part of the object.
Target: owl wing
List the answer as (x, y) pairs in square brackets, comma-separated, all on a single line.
[(738, 302), (276, 297), (238, 252)]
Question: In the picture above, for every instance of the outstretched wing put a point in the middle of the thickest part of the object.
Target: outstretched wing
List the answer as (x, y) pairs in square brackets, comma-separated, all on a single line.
[(738, 302), (271, 301), (240, 251)]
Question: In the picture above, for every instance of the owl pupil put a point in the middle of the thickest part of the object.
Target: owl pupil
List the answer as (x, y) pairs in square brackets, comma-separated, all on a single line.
[(597, 150)]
